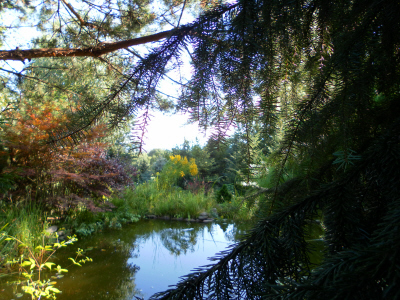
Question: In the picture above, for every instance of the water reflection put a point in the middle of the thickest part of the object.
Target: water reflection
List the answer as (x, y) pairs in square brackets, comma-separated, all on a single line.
[(139, 260), (234, 231), (172, 252)]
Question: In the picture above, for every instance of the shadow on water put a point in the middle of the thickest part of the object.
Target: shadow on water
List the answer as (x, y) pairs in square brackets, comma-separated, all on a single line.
[(139, 260)]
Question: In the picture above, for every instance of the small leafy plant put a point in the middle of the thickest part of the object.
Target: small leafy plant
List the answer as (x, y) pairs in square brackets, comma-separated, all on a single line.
[(33, 265)]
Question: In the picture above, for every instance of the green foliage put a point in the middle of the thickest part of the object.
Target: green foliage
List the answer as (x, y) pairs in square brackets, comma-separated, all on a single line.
[(238, 209), (305, 82), (15, 5), (142, 163), (223, 195), (203, 160), (159, 164), (86, 229), (137, 200), (345, 158), (7, 182), (36, 262), (238, 160), (149, 199), (84, 222), (26, 223), (176, 172)]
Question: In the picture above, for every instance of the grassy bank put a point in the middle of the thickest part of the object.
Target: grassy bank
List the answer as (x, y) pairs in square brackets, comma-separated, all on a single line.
[(23, 221), (27, 220)]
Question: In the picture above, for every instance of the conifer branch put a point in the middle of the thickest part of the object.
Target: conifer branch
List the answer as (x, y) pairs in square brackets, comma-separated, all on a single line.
[(72, 10)]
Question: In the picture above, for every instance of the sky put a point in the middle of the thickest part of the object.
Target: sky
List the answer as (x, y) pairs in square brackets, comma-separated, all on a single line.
[(166, 131)]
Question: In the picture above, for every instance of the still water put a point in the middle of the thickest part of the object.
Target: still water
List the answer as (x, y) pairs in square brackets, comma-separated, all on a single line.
[(139, 260)]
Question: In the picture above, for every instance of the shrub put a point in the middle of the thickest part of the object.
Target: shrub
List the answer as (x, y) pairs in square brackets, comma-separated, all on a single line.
[(177, 172), (223, 194), (61, 175)]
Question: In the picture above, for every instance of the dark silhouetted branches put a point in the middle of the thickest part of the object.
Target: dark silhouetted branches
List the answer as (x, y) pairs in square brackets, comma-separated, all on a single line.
[(274, 256)]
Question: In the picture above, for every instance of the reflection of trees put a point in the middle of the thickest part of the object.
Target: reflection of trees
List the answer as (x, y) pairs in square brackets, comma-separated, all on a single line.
[(179, 241), (110, 275), (176, 237), (234, 231)]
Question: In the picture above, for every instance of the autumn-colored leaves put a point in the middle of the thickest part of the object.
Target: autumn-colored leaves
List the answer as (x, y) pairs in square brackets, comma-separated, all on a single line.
[(52, 172)]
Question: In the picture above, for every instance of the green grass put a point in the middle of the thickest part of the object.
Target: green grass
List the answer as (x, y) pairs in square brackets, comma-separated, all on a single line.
[(148, 199), (84, 222), (25, 221), (237, 209), (182, 204)]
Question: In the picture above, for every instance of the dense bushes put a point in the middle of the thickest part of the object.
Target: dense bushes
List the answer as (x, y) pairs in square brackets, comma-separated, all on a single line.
[(61, 176)]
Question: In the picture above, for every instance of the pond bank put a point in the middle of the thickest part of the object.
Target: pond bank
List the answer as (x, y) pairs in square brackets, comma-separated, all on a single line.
[(203, 217)]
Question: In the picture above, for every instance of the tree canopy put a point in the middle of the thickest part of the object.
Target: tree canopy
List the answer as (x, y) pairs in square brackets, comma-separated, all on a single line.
[(321, 80)]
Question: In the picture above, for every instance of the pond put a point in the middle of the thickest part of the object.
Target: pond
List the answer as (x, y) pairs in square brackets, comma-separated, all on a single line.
[(139, 260)]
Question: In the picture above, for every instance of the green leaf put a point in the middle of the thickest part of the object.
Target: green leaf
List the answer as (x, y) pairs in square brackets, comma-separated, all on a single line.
[(26, 263), (49, 264), (28, 289), (53, 289), (59, 269), (2, 228), (26, 275), (75, 263)]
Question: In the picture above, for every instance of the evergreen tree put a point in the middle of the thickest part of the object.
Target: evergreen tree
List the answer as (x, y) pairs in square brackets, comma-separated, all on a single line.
[(327, 77)]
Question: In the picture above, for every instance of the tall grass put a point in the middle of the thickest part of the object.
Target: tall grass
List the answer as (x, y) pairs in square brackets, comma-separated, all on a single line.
[(149, 199), (25, 221), (182, 204), (237, 209)]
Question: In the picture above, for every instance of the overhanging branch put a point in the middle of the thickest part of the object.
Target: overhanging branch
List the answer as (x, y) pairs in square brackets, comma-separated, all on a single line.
[(101, 49)]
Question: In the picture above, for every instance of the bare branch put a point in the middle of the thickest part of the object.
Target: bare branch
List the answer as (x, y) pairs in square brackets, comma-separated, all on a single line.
[(100, 49), (180, 17), (72, 10)]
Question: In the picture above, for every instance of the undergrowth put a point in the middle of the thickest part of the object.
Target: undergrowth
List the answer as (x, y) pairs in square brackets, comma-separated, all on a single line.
[(25, 221)]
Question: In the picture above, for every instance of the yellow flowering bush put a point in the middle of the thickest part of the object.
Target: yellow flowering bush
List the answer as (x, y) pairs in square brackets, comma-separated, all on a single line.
[(176, 158), (177, 171), (193, 167)]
